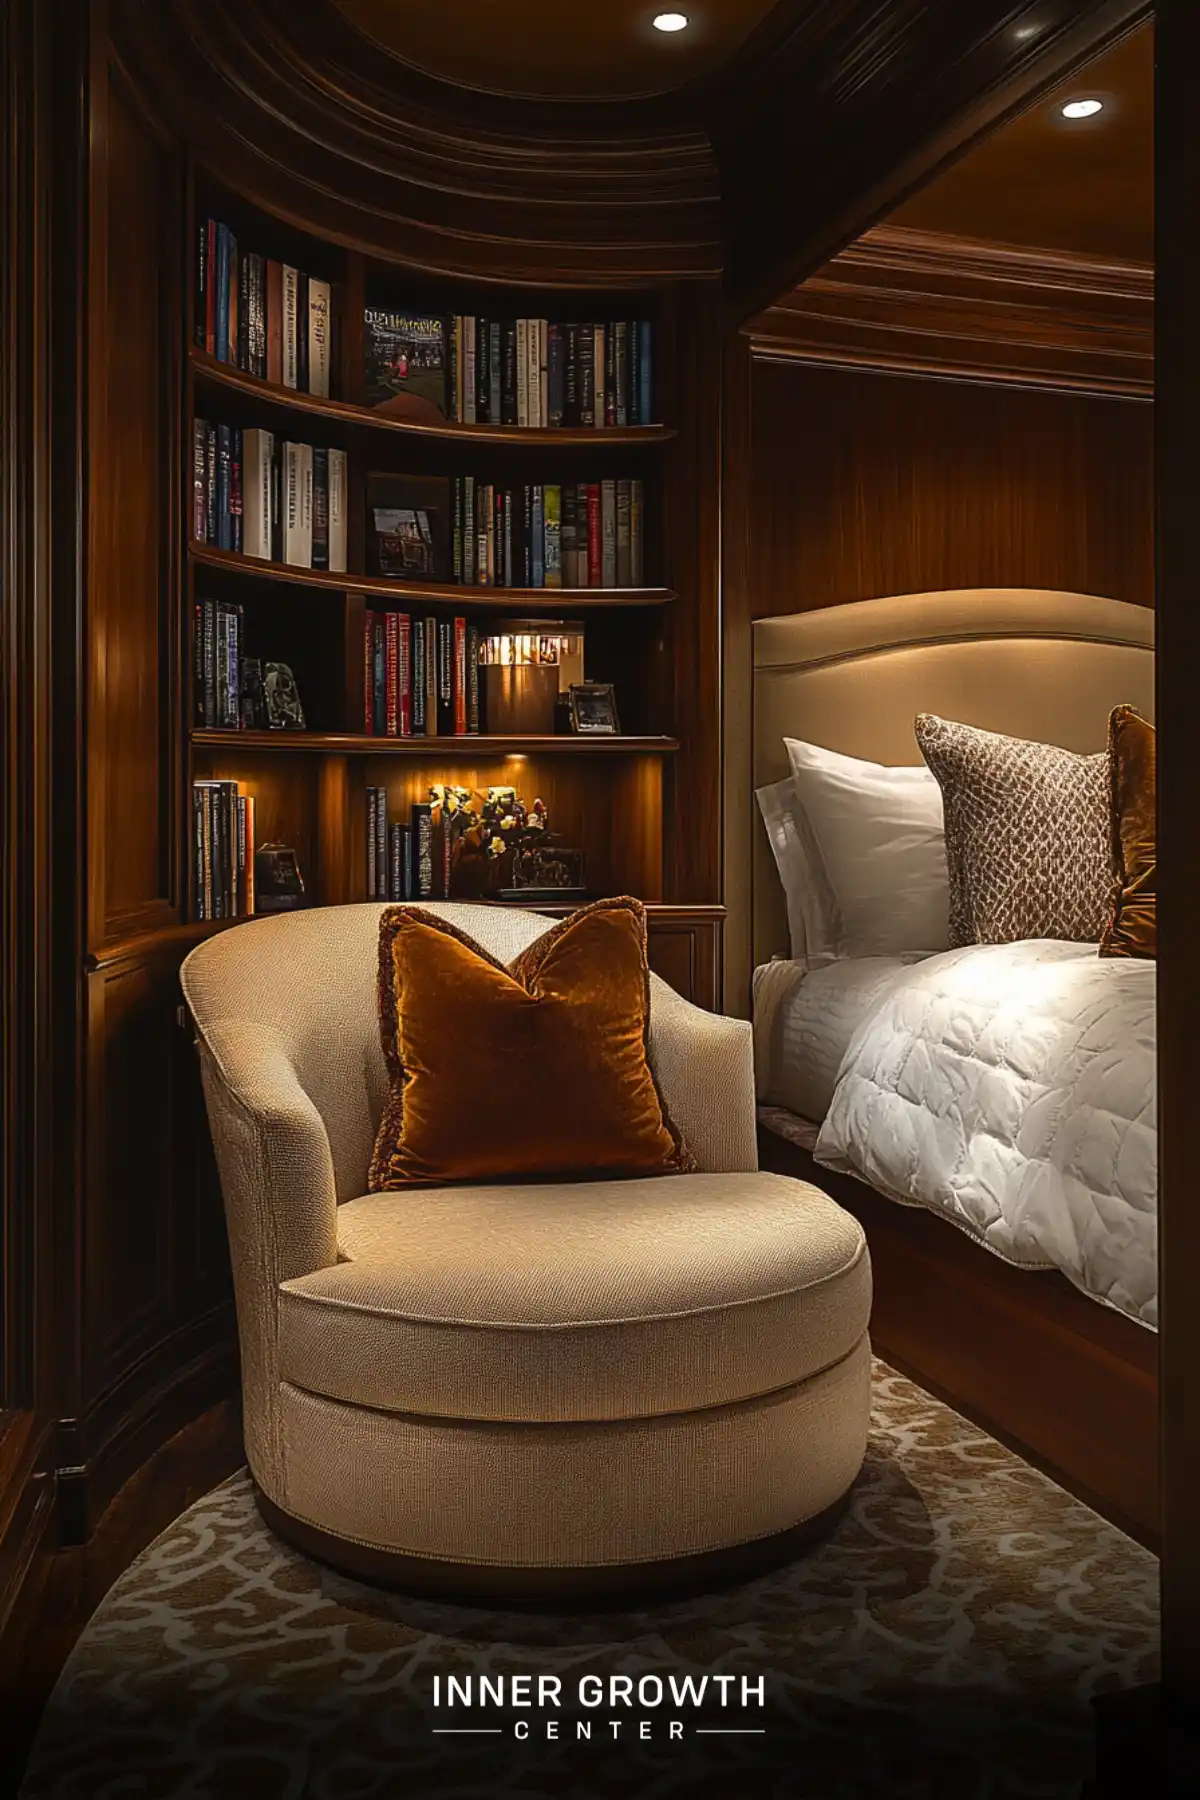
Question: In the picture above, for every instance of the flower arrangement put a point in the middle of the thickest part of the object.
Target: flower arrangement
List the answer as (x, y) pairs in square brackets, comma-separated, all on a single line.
[(481, 836)]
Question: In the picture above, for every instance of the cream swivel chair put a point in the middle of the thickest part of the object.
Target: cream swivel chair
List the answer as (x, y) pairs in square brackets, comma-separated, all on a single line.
[(533, 1392)]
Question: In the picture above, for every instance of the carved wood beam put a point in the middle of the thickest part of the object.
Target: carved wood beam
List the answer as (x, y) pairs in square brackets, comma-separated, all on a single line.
[(833, 111)]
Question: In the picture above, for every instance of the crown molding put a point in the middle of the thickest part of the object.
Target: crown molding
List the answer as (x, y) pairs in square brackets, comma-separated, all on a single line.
[(925, 303), (831, 114), (332, 132)]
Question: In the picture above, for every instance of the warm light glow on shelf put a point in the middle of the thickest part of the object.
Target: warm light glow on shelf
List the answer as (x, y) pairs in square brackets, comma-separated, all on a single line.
[(1082, 109), (670, 21)]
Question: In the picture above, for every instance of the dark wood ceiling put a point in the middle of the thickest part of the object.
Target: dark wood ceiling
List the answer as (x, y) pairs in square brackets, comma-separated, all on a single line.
[(1047, 182), (553, 49)]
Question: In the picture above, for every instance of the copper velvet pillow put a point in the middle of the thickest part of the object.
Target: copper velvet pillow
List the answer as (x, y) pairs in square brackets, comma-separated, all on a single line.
[(1027, 835), (1133, 927), (535, 1069)]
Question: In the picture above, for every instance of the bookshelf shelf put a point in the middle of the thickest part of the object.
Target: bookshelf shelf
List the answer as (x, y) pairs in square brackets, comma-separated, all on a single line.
[(550, 600), (211, 373), (479, 745)]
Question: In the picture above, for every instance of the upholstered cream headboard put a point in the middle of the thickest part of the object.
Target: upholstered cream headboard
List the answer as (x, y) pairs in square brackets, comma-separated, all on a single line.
[(1035, 664)]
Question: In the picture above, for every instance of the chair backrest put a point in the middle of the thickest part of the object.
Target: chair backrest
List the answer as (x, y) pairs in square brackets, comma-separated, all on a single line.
[(311, 977)]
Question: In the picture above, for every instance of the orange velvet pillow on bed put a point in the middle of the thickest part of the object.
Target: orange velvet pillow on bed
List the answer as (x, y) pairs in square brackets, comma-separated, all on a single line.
[(525, 1071), (1133, 927)]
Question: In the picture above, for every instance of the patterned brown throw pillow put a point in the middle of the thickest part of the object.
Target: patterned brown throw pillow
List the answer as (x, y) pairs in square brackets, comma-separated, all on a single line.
[(1133, 928), (1028, 844)]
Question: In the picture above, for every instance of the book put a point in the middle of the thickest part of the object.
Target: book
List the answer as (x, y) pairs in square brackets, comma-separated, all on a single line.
[(495, 373), (258, 451), (417, 681), (610, 374), (201, 284), (570, 355), (445, 678), (473, 679), (405, 357), (454, 371), (431, 695), (567, 534), (538, 536), (391, 638), (289, 348), (235, 488), (274, 308), (483, 415), (233, 288), (543, 371), (554, 375), (318, 338), (372, 869), (224, 537), (395, 882), (339, 510), (422, 850), (508, 372), (595, 537), (624, 544), (242, 357), (637, 567), (297, 505), (470, 558), (608, 534), (369, 674), (621, 372), (522, 360), (220, 347), (302, 331), (199, 481), (584, 338), (598, 344), (469, 376), (460, 677), (645, 393), (552, 521), (404, 673), (210, 288)]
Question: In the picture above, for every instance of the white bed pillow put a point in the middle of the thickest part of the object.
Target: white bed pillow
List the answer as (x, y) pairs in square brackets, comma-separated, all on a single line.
[(804, 883), (876, 843)]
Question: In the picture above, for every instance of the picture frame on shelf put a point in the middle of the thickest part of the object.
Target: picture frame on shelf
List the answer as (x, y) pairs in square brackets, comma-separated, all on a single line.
[(594, 709)]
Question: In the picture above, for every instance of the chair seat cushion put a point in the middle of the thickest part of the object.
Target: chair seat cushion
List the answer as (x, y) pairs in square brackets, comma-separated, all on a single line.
[(579, 1301)]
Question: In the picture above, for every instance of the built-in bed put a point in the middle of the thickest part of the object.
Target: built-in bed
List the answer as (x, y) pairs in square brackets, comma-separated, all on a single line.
[(1014, 1246)]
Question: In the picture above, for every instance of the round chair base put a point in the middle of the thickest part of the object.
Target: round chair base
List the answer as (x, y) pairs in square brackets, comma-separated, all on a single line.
[(601, 1588)]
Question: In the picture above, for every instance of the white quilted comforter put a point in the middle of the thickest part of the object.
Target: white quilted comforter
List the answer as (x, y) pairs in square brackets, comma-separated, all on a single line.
[(1012, 1088)]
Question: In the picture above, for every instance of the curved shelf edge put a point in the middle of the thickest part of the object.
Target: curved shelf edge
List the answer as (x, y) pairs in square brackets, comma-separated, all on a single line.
[(443, 593), (347, 743), (218, 374)]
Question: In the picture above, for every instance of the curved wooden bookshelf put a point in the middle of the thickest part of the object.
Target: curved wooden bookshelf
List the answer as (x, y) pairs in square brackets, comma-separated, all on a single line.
[(344, 743), (445, 593), (208, 371)]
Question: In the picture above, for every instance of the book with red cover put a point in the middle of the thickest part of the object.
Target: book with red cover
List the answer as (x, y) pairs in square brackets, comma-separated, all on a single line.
[(594, 545), (460, 678), (392, 628), (404, 672)]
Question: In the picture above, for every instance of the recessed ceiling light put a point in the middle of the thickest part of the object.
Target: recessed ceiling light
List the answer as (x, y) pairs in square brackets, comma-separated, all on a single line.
[(1082, 109), (670, 21)]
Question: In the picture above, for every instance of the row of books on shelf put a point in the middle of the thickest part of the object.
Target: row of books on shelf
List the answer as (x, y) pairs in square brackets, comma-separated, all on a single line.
[(420, 676), (223, 850), (575, 534), (260, 315), (234, 691), (530, 373), (268, 498), (403, 856)]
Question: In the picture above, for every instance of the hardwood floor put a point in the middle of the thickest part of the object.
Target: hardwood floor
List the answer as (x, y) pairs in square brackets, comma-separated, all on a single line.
[(70, 1584)]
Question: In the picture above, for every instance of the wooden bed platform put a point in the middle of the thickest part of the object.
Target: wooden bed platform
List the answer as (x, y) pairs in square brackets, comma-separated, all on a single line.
[(1070, 1385)]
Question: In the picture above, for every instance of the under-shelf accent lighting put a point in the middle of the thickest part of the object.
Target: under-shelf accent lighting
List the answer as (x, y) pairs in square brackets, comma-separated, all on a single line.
[(1082, 109), (670, 21)]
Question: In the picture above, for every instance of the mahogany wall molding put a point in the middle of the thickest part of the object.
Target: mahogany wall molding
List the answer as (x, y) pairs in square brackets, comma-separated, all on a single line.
[(926, 303)]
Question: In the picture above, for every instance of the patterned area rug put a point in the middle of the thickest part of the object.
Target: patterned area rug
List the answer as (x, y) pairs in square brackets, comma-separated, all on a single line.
[(945, 1640)]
